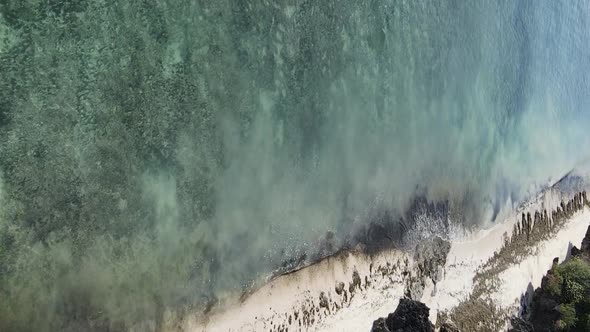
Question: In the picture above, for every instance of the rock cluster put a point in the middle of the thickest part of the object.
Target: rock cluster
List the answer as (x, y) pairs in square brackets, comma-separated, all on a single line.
[(545, 314), (531, 226)]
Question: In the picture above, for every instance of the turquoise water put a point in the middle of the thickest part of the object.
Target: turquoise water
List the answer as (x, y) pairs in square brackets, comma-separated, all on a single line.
[(157, 153)]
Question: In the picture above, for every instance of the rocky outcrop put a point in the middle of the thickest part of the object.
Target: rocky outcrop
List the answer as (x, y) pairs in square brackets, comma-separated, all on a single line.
[(586, 243), (431, 257), (538, 225), (545, 310), (409, 316), (561, 303), (584, 251), (517, 324), (380, 325)]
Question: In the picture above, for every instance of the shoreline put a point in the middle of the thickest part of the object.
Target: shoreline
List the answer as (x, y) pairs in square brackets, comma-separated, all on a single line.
[(306, 298)]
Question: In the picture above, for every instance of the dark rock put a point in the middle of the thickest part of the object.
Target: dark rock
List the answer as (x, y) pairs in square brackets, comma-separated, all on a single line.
[(586, 243), (414, 288), (575, 251), (544, 310), (409, 316), (563, 210), (339, 288), (555, 262), (356, 282), (367, 282), (380, 326), (324, 301), (519, 325), (431, 255)]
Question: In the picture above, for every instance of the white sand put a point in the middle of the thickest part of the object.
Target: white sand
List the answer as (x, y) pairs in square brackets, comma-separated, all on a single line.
[(532, 269), (272, 304), (465, 258), (269, 307)]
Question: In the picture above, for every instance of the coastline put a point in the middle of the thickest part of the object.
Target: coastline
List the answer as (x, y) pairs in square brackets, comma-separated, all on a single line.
[(306, 299)]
